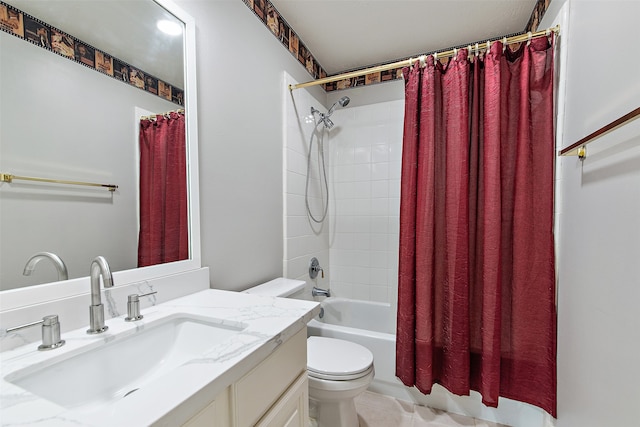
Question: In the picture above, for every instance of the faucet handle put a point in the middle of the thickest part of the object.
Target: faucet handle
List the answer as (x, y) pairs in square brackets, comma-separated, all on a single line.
[(314, 268), (50, 332), (133, 306)]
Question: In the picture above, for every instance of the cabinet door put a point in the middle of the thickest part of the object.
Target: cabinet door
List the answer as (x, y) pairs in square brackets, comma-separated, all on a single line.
[(255, 393), (215, 414), (292, 410)]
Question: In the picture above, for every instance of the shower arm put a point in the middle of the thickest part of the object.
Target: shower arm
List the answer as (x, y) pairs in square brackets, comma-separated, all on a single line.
[(342, 102)]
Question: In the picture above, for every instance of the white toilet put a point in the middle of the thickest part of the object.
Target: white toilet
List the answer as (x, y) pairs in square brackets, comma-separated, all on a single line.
[(338, 370)]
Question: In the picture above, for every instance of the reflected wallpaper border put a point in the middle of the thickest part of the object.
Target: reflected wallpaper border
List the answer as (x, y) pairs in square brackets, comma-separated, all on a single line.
[(31, 29)]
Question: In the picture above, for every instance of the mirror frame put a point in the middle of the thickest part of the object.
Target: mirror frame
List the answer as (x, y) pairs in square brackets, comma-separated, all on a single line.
[(20, 297)]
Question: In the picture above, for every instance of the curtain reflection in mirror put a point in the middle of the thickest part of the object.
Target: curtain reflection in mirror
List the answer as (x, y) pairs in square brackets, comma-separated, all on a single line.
[(164, 230)]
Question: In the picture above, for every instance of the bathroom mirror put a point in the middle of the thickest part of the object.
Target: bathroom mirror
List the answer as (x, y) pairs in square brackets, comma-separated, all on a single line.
[(62, 118)]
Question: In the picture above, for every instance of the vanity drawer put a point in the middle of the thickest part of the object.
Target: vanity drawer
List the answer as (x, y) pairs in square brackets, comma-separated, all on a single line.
[(257, 391)]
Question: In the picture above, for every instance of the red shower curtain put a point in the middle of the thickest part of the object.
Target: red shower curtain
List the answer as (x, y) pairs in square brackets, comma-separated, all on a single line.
[(164, 228), (476, 297)]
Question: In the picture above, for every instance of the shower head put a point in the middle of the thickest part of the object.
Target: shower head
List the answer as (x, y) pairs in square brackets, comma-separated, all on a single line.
[(343, 102), (324, 117)]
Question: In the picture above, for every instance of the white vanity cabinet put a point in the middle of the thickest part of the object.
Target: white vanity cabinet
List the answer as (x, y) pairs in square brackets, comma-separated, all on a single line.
[(292, 409), (215, 414), (249, 371), (272, 394)]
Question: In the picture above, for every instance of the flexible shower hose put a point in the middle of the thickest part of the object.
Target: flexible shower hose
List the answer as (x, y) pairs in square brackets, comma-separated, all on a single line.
[(324, 175)]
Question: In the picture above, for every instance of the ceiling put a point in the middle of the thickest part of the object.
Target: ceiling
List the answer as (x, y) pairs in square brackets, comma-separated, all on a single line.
[(345, 35)]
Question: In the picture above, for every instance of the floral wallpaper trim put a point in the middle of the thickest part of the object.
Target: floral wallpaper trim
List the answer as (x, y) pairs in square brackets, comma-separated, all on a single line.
[(39, 33)]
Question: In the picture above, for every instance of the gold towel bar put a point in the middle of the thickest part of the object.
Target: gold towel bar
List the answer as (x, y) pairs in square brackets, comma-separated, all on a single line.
[(580, 148), (7, 177)]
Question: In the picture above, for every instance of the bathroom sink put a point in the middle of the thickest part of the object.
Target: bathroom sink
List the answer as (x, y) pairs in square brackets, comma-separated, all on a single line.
[(115, 369)]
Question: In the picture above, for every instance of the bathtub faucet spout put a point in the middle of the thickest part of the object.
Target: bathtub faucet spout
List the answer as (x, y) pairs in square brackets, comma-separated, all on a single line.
[(317, 292)]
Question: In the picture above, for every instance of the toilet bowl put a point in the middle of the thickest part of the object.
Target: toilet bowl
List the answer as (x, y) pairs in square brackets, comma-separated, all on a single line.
[(338, 370)]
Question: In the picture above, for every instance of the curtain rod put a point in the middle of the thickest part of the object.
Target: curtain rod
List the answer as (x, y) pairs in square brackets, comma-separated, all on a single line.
[(153, 116), (442, 54)]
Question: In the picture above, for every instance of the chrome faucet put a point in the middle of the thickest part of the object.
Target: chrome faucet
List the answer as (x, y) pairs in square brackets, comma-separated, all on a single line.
[(99, 267), (55, 259), (317, 292)]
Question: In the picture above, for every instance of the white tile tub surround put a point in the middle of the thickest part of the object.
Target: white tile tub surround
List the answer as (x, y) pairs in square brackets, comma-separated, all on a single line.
[(167, 400), (366, 161), (303, 238), (357, 246), (364, 156)]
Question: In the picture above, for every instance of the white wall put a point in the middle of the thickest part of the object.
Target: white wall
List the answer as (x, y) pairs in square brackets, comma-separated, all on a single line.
[(240, 70), (61, 120), (599, 216)]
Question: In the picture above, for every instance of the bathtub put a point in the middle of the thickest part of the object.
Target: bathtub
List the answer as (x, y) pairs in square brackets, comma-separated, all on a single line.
[(371, 324)]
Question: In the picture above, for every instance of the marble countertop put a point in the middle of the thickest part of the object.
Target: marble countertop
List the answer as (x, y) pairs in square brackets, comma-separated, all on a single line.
[(174, 397)]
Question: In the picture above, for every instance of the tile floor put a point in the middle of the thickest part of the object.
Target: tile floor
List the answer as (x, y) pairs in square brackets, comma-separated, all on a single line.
[(376, 410)]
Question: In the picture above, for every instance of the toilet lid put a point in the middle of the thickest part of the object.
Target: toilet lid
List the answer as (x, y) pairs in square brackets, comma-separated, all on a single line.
[(331, 358)]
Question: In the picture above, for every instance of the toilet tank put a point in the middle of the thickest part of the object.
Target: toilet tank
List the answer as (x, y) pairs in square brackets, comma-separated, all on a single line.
[(279, 287)]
